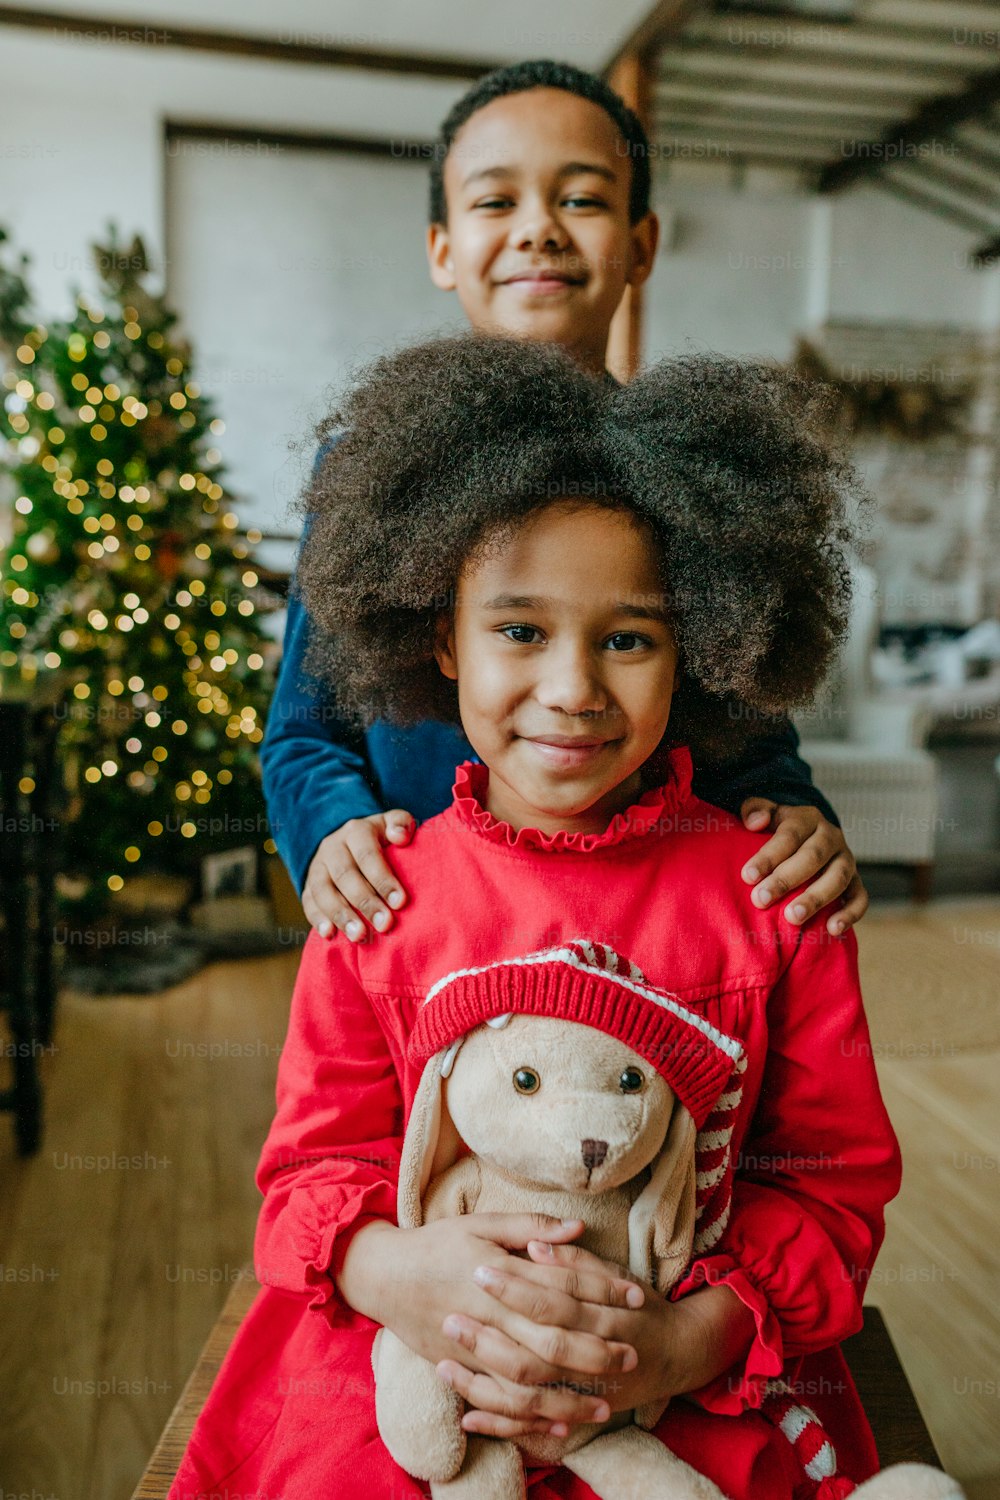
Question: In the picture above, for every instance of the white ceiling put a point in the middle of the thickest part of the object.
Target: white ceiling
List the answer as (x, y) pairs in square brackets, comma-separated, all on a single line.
[(586, 32)]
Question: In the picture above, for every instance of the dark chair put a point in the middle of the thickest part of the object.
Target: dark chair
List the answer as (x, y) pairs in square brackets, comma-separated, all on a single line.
[(30, 721), (900, 1432)]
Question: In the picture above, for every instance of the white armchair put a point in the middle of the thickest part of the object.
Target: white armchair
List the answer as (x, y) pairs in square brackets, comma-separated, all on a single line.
[(867, 753)]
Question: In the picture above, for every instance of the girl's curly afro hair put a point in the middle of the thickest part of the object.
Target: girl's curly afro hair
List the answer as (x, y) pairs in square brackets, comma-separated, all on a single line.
[(443, 449)]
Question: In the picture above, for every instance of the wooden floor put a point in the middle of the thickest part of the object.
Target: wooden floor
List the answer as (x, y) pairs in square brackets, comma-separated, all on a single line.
[(120, 1240)]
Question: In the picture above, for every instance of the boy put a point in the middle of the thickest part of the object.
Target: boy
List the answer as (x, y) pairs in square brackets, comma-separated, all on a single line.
[(540, 218)]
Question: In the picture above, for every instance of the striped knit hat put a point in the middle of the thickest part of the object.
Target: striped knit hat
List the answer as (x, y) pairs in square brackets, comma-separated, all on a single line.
[(588, 982)]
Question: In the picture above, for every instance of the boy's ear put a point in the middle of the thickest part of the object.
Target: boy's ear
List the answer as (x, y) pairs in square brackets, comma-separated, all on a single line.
[(645, 238), (444, 646), (439, 257)]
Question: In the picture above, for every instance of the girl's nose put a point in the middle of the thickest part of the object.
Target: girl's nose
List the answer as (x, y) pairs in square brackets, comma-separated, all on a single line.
[(572, 686)]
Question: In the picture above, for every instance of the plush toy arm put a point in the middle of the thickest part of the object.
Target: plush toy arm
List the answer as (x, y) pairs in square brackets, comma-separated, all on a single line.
[(455, 1192), (419, 1417)]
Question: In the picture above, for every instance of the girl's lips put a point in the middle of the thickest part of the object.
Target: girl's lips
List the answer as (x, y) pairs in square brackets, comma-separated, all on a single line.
[(567, 757)]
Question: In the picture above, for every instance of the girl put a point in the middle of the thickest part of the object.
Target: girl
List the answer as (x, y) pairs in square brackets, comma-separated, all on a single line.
[(595, 581)]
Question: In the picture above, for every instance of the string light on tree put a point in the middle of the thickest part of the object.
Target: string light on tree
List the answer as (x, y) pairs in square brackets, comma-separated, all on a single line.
[(126, 563)]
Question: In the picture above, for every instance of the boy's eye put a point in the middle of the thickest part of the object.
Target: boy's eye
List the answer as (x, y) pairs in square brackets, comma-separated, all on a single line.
[(583, 200), (527, 1081), (631, 1081)]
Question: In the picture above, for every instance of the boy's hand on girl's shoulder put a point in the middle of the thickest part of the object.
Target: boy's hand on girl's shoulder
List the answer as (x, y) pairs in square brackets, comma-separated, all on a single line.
[(349, 886), (803, 845)]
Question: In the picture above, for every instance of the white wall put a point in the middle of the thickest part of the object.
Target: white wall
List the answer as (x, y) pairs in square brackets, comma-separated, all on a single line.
[(752, 267), (291, 268), (737, 278)]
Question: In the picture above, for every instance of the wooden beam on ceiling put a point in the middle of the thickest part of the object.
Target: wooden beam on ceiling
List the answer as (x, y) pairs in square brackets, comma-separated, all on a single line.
[(963, 185), (836, 127), (930, 202), (836, 95), (933, 119), (798, 74), (778, 33), (67, 26), (719, 140), (934, 74), (864, 114), (298, 140), (987, 254), (984, 154)]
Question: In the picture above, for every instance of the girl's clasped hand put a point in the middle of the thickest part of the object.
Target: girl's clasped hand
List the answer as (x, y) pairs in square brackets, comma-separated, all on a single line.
[(533, 1344)]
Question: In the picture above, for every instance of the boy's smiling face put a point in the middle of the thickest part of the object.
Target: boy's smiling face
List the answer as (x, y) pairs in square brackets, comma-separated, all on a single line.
[(538, 242), (562, 635)]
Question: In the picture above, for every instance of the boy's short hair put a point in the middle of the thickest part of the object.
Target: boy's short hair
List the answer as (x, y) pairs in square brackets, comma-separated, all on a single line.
[(447, 447), (517, 78)]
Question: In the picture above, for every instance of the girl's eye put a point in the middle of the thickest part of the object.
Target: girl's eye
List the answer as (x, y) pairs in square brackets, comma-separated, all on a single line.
[(631, 638), (529, 630), (631, 1081), (527, 1081)]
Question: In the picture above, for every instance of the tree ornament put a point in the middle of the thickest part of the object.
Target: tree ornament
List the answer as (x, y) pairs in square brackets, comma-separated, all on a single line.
[(41, 546)]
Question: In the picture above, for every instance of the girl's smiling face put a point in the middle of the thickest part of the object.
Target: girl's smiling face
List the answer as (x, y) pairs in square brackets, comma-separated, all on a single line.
[(539, 242), (566, 663)]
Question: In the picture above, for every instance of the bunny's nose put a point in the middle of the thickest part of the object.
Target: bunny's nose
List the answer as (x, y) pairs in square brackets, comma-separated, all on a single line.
[(594, 1152)]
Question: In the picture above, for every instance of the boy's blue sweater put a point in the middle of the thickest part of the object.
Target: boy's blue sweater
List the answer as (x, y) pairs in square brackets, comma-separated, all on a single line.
[(320, 771)]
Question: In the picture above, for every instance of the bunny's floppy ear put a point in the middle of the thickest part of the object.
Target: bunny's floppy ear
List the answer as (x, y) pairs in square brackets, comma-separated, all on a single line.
[(431, 1143), (662, 1219)]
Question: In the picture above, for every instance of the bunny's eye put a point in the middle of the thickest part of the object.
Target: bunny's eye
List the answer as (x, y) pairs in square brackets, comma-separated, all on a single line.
[(631, 1081), (527, 1081)]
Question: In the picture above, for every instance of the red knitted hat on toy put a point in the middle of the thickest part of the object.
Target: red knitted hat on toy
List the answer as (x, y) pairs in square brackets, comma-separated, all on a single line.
[(591, 984)]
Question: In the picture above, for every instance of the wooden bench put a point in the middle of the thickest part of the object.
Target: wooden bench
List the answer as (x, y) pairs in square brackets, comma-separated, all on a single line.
[(900, 1432)]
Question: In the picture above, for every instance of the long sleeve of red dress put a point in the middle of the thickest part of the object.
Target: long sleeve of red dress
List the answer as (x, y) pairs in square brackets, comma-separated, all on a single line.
[(812, 1176), (331, 1159)]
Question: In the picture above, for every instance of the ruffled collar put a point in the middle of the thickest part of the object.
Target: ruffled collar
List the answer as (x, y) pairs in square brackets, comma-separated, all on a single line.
[(642, 818)]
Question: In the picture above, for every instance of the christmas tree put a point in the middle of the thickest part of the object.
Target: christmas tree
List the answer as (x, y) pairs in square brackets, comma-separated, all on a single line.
[(126, 567)]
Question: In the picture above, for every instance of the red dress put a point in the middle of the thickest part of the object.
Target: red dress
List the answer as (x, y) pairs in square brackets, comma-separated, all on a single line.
[(292, 1412)]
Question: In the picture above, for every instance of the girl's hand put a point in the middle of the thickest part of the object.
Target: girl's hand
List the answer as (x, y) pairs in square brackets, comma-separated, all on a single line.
[(415, 1281), (349, 879), (680, 1346), (804, 845)]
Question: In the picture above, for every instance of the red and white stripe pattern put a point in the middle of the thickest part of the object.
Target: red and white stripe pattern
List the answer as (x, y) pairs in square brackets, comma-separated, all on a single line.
[(580, 952), (714, 1163), (600, 956), (803, 1429)]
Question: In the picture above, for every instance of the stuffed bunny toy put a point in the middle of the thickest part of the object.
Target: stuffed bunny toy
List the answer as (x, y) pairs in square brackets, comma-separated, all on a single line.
[(525, 1109)]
